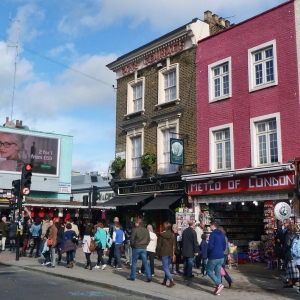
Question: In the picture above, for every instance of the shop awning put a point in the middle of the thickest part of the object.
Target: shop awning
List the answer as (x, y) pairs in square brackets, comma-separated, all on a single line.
[(127, 200), (161, 202)]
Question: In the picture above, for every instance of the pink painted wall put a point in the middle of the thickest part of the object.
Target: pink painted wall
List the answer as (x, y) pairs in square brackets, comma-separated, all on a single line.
[(278, 24)]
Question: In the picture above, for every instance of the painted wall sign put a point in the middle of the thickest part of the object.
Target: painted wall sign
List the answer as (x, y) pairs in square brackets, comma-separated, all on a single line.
[(177, 152), (150, 188), (274, 181), (153, 57)]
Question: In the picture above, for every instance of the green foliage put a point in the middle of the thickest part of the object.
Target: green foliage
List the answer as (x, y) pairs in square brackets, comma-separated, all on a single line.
[(147, 160), (118, 164)]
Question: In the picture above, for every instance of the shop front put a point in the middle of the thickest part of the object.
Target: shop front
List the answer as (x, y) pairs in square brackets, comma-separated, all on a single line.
[(153, 199), (243, 203)]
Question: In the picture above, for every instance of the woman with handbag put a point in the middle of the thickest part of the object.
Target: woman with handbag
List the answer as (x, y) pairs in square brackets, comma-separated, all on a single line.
[(35, 231), (150, 250), (100, 240), (51, 242), (166, 250), (86, 242), (67, 246)]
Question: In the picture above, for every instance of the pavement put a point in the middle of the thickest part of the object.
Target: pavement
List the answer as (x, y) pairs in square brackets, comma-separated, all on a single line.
[(249, 280)]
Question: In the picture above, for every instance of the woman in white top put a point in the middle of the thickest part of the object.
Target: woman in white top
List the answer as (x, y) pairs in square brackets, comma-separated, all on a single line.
[(151, 248), (86, 242)]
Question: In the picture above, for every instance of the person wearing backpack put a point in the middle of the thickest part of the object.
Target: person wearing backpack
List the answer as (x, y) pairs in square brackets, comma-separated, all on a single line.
[(86, 242), (295, 251), (292, 273), (100, 239)]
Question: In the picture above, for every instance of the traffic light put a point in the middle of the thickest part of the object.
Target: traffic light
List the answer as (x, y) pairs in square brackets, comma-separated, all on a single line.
[(15, 191), (26, 179), (95, 195), (85, 201), (12, 203)]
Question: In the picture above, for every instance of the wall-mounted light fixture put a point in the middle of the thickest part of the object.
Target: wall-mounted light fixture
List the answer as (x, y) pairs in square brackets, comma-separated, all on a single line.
[(210, 181), (253, 177), (158, 183)]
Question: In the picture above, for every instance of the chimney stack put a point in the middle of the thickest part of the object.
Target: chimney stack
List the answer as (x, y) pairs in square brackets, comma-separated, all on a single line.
[(7, 119), (227, 23), (222, 21), (21, 122), (215, 19), (208, 16)]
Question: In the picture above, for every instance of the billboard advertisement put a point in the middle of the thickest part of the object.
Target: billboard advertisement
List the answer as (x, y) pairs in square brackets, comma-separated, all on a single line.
[(17, 149)]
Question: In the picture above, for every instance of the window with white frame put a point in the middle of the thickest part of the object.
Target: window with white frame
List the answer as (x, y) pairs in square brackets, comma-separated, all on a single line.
[(262, 61), (135, 96), (219, 80), (168, 84), (168, 134), (221, 148), (266, 133), (265, 140), (166, 129), (136, 153)]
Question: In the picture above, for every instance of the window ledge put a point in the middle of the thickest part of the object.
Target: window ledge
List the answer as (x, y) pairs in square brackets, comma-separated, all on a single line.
[(159, 105), (220, 98), (140, 112), (262, 86)]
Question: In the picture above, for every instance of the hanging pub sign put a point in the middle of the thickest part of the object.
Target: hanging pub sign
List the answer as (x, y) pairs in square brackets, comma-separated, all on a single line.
[(176, 152)]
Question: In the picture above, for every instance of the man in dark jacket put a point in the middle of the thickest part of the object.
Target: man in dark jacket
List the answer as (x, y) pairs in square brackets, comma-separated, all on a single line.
[(189, 249), (216, 248), (139, 241)]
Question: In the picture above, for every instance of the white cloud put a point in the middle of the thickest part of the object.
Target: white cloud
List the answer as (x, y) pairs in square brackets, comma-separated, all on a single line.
[(68, 47), (162, 15)]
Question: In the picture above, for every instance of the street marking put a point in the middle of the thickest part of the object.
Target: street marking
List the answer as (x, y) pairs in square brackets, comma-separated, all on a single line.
[(91, 294)]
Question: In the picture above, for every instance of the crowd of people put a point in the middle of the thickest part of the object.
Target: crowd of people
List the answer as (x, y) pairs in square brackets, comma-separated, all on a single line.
[(53, 239)]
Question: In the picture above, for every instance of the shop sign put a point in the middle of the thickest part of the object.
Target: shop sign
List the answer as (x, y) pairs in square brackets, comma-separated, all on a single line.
[(282, 211), (155, 56), (150, 188), (270, 182), (177, 152), (104, 196), (64, 188)]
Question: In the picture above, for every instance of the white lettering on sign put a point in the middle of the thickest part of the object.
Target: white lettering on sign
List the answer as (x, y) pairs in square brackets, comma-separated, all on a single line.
[(283, 180)]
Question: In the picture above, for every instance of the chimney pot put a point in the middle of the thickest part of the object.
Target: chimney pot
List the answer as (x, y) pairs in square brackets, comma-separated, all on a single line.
[(17, 123), (222, 21), (227, 24), (215, 18), (208, 16), (7, 119), (21, 122)]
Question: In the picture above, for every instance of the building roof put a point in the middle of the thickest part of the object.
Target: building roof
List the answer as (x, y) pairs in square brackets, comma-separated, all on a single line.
[(84, 182)]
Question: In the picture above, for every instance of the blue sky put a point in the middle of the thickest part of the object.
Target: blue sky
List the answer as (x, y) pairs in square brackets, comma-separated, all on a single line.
[(86, 35)]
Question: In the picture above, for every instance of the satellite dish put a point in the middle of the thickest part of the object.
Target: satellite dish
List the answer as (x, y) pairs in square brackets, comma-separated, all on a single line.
[(10, 124)]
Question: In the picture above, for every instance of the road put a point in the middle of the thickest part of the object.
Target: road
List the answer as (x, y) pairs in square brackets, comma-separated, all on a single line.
[(19, 284)]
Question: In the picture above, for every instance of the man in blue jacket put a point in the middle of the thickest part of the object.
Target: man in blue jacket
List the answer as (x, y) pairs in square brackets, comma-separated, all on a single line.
[(216, 248)]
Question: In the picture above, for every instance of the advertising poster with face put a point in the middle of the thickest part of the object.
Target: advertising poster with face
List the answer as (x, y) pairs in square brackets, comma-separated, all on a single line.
[(41, 152)]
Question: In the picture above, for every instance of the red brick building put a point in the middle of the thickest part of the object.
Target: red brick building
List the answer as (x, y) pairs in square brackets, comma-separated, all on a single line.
[(247, 83)]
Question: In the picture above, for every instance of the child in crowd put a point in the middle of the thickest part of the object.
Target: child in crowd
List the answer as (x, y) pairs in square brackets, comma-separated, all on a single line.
[(203, 254)]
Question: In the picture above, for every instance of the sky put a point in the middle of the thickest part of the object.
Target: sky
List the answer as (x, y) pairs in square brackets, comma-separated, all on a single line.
[(62, 84)]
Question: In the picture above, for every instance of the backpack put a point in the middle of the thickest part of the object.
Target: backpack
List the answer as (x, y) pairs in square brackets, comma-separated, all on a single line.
[(109, 240), (74, 237), (295, 250), (92, 247)]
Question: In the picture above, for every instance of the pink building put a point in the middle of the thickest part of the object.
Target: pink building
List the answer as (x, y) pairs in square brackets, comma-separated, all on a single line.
[(248, 122)]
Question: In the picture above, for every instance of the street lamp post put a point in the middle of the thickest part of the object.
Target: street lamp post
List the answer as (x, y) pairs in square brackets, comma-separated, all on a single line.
[(90, 200)]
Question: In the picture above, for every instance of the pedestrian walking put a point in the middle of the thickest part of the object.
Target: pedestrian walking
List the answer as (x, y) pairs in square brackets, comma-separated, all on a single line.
[(226, 255), (189, 249), (165, 249), (86, 242), (45, 226), (175, 265), (199, 232), (203, 254), (26, 235), (35, 231), (67, 246), (100, 240), (139, 241), (4, 230), (151, 248), (112, 248), (118, 239), (53, 237), (216, 248), (128, 249), (76, 230), (60, 234), (12, 235)]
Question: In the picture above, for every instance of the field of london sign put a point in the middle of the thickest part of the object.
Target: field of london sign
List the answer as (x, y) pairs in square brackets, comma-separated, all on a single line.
[(277, 181), (153, 57)]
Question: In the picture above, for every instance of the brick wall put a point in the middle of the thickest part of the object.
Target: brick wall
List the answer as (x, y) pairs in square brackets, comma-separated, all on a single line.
[(187, 95), (276, 24)]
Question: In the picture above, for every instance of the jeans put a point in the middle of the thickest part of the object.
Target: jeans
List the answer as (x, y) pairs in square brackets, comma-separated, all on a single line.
[(53, 258), (100, 257), (128, 253), (42, 243), (198, 259), (88, 258), (213, 268), (136, 254), (111, 253), (227, 277), (25, 243), (47, 256), (166, 261), (69, 256), (117, 255), (203, 266), (36, 244), (151, 259), (188, 266), (58, 252)]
